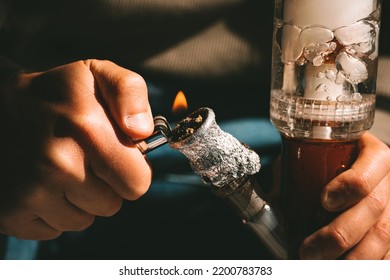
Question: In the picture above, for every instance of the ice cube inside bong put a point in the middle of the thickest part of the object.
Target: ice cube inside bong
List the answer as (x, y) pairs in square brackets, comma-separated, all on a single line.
[(355, 70), (360, 37), (348, 48)]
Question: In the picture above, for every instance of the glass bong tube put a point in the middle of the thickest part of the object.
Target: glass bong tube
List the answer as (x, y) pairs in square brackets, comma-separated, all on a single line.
[(322, 98)]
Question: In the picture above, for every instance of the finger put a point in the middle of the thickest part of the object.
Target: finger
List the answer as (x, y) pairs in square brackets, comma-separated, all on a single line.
[(112, 158), (376, 243), (126, 95), (65, 168), (38, 229), (94, 196), (105, 153), (57, 212), (347, 229), (121, 166), (23, 225), (370, 168)]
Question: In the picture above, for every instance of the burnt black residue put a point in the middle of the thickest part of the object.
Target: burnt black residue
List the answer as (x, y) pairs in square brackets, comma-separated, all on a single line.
[(186, 127)]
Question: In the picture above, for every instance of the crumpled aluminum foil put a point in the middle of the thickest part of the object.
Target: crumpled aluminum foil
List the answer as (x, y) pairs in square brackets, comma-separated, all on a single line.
[(217, 156)]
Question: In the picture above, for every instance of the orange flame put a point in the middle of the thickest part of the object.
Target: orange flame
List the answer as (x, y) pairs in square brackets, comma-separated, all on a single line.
[(180, 105)]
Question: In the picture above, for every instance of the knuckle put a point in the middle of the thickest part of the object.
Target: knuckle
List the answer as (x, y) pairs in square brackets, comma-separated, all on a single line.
[(382, 228), (87, 62), (91, 126), (377, 202), (341, 238), (130, 84), (65, 159), (360, 182)]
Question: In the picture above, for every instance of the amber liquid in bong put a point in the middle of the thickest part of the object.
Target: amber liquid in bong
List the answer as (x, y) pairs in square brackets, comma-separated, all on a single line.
[(307, 166)]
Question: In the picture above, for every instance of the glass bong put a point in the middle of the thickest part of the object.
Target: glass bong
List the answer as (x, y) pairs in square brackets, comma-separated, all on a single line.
[(323, 86)]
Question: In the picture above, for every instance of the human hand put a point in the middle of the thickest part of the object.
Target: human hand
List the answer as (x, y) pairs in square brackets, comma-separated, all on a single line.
[(363, 230), (66, 151)]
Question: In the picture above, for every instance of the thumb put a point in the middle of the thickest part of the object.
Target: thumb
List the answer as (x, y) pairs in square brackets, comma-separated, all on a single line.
[(126, 95)]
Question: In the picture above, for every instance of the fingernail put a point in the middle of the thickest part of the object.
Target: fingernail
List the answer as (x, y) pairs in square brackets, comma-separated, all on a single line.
[(141, 121), (310, 253), (334, 199)]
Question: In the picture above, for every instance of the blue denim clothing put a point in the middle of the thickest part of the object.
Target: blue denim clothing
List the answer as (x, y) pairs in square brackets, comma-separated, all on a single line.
[(17, 249)]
